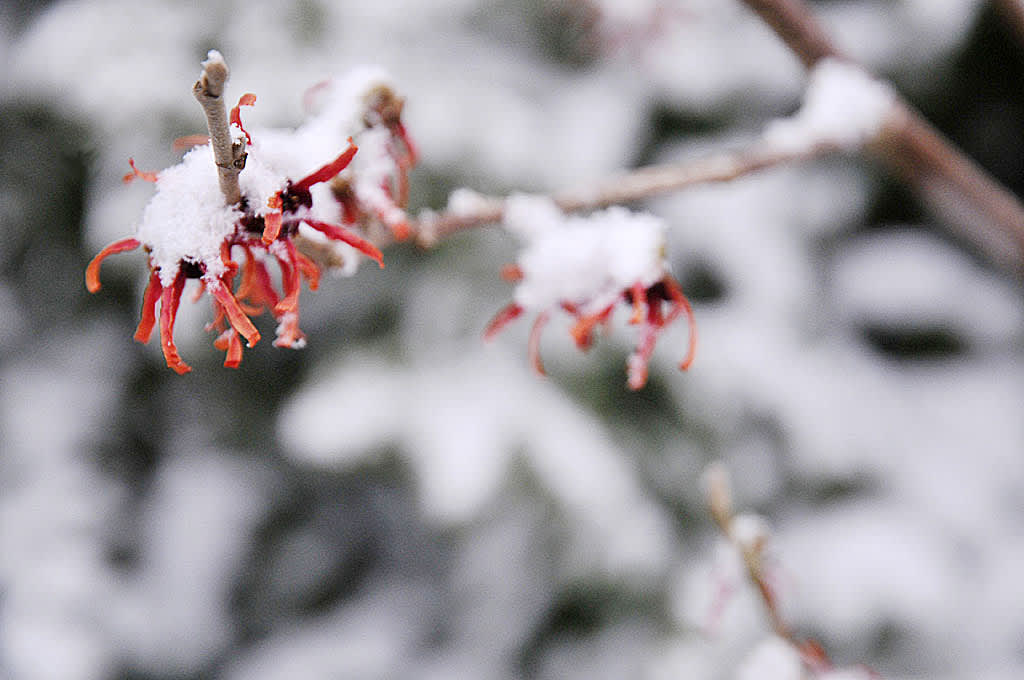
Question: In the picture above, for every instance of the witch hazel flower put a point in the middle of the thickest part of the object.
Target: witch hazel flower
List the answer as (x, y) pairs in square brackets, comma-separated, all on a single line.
[(190, 231), (586, 267)]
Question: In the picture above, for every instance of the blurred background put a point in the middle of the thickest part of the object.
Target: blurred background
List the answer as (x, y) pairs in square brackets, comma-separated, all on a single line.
[(399, 500)]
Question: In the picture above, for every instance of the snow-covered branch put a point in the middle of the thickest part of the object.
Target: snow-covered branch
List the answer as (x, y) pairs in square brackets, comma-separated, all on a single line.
[(638, 184), (963, 195)]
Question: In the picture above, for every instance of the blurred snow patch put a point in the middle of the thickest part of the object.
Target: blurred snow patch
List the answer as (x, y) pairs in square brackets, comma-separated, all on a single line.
[(907, 278), (772, 659), (460, 437), (196, 529)]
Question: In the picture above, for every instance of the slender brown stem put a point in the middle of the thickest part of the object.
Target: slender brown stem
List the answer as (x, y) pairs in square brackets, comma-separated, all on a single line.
[(962, 194), (229, 156), (631, 186)]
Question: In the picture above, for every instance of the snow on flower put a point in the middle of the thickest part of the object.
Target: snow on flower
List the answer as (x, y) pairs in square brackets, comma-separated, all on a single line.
[(587, 265), (189, 232)]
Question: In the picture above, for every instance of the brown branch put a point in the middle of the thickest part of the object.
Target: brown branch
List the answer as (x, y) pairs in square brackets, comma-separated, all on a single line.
[(1012, 12), (632, 186), (962, 194), (228, 155)]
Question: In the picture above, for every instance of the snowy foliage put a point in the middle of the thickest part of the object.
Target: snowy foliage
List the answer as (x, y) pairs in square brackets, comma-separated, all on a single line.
[(401, 500)]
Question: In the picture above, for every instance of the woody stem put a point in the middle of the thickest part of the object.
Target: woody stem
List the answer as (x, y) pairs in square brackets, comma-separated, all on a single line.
[(960, 193), (228, 155), (638, 184)]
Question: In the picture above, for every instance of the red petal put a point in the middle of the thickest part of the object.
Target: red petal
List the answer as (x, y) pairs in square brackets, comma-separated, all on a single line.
[(309, 269), (534, 344), (149, 300), (169, 300), (92, 272), (290, 281), (228, 342), (682, 305), (328, 171), (340, 234), (148, 176), (412, 152), (288, 333), (512, 273), (247, 99), (502, 319), (272, 220), (239, 321), (583, 330)]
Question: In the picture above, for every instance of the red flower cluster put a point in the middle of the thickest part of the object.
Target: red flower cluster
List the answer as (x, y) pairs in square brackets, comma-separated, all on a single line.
[(649, 309), (258, 238)]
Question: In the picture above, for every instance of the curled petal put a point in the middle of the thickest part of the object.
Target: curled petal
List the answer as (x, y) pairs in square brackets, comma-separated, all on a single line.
[(247, 99), (337, 233), (272, 220), (149, 300), (228, 342), (290, 281), (92, 272), (309, 269), (236, 317), (682, 306), (326, 172), (583, 330), (288, 333), (636, 365), (143, 175), (170, 298), (534, 344), (502, 319)]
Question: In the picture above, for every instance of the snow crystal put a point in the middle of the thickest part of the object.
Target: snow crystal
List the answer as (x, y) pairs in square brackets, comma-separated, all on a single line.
[(843, 105), (585, 260), (187, 218)]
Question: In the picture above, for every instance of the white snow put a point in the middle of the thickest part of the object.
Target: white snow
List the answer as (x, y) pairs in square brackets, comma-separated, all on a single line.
[(187, 217), (843, 106), (587, 261), (893, 487), (772, 659)]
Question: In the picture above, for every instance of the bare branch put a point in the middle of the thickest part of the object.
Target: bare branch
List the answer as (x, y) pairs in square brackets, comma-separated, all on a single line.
[(632, 186), (229, 155), (1012, 12), (962, 194)]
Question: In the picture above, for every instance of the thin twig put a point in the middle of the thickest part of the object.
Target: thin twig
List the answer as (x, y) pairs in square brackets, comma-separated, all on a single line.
[(228, 155), (632, 186), (969, 200)]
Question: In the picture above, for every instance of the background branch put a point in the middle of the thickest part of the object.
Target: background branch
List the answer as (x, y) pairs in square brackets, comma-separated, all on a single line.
[(961, 193), (631, 186), (1012, 12)]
